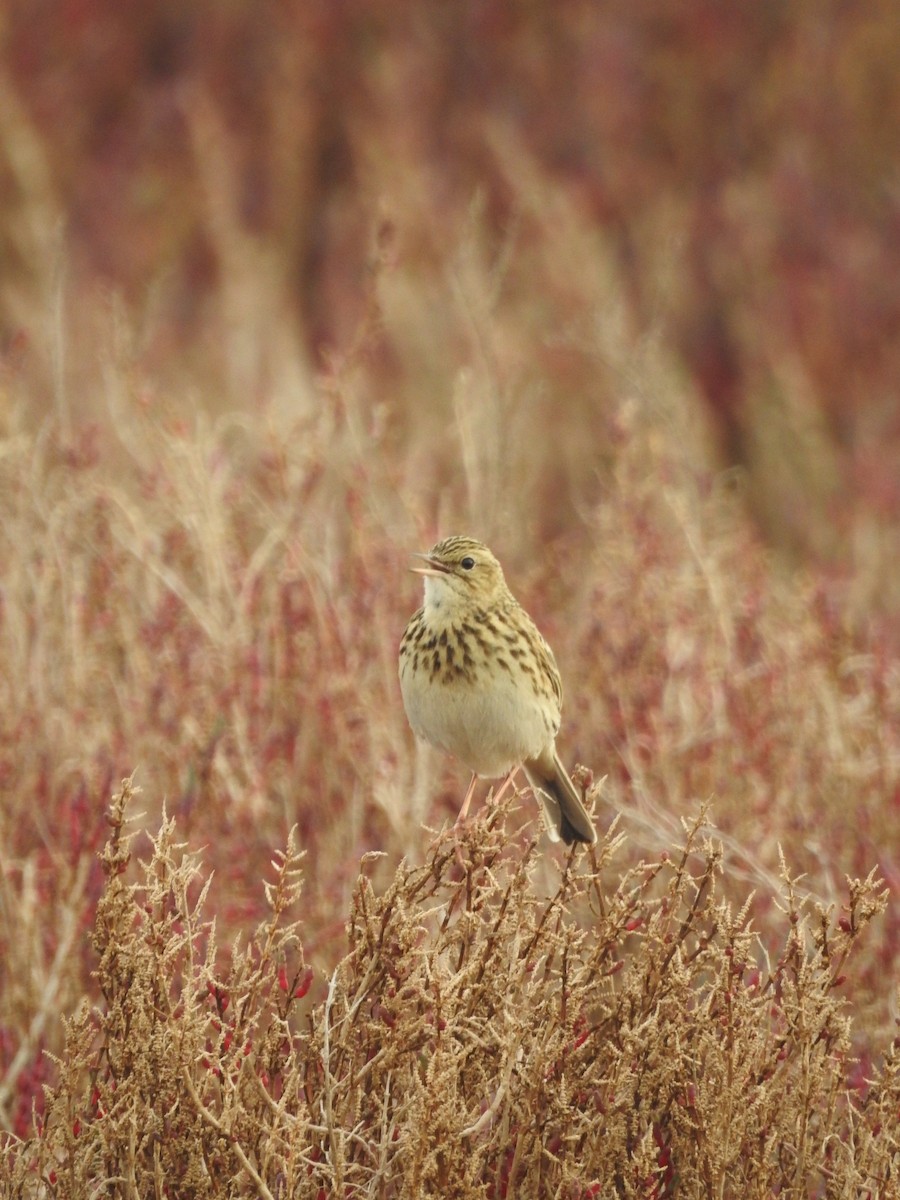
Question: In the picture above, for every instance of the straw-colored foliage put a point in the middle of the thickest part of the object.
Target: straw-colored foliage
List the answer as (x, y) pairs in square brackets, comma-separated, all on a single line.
[(622, 1034), (289, 291)]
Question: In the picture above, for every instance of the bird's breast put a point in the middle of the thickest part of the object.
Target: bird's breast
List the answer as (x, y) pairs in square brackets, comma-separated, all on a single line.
[(476, 700)]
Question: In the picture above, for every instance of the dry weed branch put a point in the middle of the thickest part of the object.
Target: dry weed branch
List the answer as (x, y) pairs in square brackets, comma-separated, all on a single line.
[(477, 1039)]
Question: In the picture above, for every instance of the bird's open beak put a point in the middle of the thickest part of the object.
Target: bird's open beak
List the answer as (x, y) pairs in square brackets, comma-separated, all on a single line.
[(434, 567)]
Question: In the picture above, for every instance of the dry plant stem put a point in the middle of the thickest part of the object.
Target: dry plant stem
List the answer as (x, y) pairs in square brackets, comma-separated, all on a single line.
[(478, 1033), (499, 1095), (336, 1148), (228, 1135), (48, 1009)]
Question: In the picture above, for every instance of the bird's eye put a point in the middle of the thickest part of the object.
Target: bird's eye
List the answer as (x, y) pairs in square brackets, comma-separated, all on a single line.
[(467, 563)]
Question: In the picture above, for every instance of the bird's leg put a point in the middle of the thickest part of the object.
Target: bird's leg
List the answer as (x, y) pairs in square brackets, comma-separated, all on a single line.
[(495, 798), (463, 812)]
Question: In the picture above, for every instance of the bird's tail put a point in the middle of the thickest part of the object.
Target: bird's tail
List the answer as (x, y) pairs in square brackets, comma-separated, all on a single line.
[(567, 818)]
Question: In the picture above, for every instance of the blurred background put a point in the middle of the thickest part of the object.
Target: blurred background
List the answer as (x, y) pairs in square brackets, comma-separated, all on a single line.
[(290, 289), (244, 196)]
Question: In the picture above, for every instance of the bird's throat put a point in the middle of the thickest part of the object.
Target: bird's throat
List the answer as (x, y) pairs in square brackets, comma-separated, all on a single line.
[(441, 602)]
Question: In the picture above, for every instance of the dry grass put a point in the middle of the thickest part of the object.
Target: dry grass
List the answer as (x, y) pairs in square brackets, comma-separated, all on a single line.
[(219, 605), (623, 1033), (278, 313)]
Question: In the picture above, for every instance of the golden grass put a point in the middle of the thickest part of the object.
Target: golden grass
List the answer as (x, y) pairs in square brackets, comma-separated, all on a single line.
[(203, 543), (624, 1032)]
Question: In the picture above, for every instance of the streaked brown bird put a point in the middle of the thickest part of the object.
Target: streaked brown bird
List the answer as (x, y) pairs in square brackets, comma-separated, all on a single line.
[(479, 682)]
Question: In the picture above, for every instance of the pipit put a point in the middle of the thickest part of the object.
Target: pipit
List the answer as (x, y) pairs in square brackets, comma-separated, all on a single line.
[(479, 682)]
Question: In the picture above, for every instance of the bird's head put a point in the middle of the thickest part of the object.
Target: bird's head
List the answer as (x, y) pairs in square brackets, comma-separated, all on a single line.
[(460, 573)]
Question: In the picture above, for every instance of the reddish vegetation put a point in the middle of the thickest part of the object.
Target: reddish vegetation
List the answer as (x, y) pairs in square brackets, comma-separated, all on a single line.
[(229, 168), (289, 291)]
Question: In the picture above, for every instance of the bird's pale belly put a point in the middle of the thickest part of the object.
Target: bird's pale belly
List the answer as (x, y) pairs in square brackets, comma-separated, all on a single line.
[(490, 729)]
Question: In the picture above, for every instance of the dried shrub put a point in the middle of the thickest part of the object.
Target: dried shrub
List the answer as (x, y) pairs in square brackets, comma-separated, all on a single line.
[(620, 1033)]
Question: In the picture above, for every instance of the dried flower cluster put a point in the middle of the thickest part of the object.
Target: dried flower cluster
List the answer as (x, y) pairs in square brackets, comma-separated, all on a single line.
[(624, 1034)]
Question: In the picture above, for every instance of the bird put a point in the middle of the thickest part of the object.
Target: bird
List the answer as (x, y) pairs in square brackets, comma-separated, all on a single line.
[(479, 682)]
